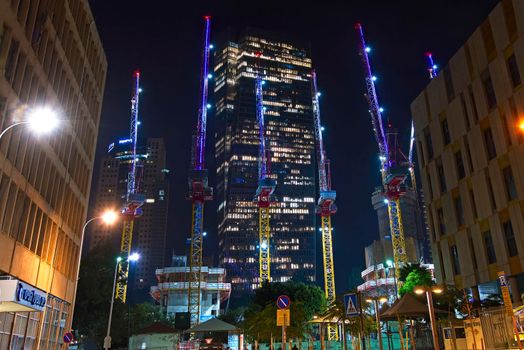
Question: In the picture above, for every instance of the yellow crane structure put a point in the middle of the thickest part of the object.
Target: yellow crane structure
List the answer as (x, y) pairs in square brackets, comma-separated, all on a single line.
[(134, 200), (266, 186), (325, 207)]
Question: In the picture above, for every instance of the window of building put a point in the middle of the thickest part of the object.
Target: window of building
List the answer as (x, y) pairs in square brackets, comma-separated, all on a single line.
[(441, 176), (509, 183), (459, 211), (491, 256), (513, 70), (441, 222), (487, 38), (421, 152), (429, 143), (491, 151), (473, 204), (448, 80), (465, 111), (459, 162), (510, 20), (445, 132), (504, 122), (490, 192), (441, 261), (472, 250), (509, 235), (455, 262), (489, 90), (473, 103)]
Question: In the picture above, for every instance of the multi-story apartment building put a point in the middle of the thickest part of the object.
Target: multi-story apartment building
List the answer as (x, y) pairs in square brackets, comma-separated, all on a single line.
[(471, 156), (50, 55), (149, 232), (286, 69), (172, 288)]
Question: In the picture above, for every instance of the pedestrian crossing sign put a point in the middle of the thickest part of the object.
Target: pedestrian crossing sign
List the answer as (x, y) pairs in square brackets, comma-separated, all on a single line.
[(350, 302)]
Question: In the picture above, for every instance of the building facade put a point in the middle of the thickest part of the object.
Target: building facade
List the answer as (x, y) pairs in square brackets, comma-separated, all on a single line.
[(50, 55), (286, 70), (470, 155), (150, 230), (171, 291)]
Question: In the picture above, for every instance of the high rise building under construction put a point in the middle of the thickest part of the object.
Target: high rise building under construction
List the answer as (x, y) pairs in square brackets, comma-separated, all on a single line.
[(285, 68)]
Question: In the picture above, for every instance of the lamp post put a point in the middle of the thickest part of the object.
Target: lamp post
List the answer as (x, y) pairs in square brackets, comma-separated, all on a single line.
[(40, 120), (107, 339), (375, 301), (429, 295), (109, 217)]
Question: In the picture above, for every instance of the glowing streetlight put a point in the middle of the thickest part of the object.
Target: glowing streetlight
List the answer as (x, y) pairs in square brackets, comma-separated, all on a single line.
[(521, 125), (40, 120), (109, 217), (133, 257)]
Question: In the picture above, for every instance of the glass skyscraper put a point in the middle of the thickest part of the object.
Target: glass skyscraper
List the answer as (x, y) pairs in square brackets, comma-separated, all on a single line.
[(286, 70)]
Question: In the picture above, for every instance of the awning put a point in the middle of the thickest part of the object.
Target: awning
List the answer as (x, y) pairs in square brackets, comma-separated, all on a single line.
[(18, 296)]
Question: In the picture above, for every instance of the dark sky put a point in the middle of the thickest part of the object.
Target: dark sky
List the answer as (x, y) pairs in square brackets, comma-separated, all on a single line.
[(163, 40)]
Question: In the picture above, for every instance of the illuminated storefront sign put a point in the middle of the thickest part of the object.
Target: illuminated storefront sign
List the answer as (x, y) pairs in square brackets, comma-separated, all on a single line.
[(16, 296)]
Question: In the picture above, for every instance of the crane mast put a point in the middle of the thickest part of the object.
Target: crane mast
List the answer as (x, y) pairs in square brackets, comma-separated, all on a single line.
[(199, 190), (134, 200), (325, 207), (266, 186), (393, 174)]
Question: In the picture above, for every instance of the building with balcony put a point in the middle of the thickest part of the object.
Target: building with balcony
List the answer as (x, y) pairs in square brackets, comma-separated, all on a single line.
[(172, 289)]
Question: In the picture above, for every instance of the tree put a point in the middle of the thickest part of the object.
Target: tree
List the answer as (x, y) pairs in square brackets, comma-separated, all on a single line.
[(93, 299), (418, 276), (260, 316)]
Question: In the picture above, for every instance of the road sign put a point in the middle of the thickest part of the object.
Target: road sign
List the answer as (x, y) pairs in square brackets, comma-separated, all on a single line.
[(283, 302), (68, 337), (508, 305), (283, 317), (351, 304)]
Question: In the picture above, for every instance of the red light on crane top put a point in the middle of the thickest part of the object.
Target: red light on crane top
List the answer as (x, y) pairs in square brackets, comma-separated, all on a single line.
[(207, 17), (429, 54), (136, 73)]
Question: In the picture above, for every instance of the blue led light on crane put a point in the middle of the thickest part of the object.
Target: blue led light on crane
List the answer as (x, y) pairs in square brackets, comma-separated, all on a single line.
[(386, 201), (264, 245), (263, 82), (374, 78), (368, 49), (211, 46), (322, 128), (209, 76), (121, 142), (381, 110), (208, 106), (319, 94)]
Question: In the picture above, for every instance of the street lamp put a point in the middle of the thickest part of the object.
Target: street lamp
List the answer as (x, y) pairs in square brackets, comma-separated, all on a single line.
[(429, 295), (376, 300), (40, 120), (130, 258), (108, 217)]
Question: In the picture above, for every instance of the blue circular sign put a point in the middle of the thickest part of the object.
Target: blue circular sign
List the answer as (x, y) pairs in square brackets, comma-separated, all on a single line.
[(283, 302), (68, 337)]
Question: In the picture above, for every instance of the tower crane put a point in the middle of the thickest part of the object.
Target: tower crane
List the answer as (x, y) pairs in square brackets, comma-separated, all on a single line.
[(432, 67), (392, 171), (199, 190), (325, 206), (132, 208), (266, 185)]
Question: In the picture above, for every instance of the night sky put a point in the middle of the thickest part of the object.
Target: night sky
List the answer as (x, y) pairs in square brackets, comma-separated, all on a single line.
[(163, 40)]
